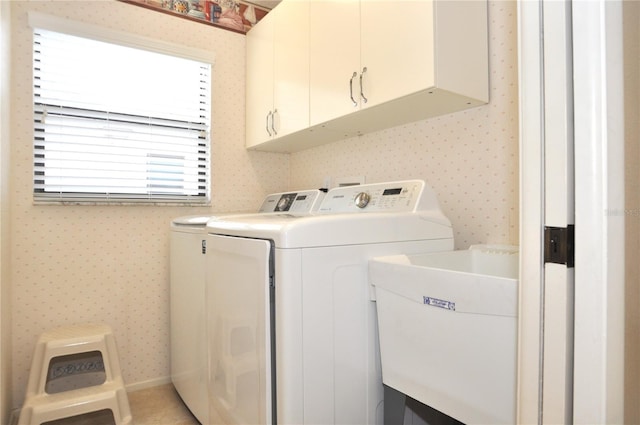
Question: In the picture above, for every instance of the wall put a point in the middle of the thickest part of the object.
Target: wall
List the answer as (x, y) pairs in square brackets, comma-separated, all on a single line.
[(109, 264), (470, 158), (631, 25), (5, 278)]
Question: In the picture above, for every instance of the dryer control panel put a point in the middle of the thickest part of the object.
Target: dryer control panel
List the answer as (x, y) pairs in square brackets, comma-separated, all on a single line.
[(293, 202), (403, 196)]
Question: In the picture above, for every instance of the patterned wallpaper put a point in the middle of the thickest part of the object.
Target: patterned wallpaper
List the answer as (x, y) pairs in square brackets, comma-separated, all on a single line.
[(109, 264), (470, 158)]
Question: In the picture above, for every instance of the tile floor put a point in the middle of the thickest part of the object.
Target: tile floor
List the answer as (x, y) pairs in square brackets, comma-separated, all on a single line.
[(159, 405)]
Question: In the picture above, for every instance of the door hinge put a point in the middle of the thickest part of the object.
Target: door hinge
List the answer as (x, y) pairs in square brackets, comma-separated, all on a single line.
[(559, 245), (204, 246)]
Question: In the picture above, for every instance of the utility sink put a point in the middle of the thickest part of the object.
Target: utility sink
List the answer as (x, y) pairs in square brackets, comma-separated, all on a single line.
[(448, 329)]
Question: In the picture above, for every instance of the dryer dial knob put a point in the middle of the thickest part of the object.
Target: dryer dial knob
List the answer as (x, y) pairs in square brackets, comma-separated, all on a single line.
[(283, 204), (362, 199)]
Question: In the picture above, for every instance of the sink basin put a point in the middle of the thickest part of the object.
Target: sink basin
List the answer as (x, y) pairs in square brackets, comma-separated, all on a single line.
[(448, 329)]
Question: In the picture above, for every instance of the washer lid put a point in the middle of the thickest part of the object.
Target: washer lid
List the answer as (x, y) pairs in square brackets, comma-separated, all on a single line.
[(193, 220), (301, 201), (291, 231), (393, 212)]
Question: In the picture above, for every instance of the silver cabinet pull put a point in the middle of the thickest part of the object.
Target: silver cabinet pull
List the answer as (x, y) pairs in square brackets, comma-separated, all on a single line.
[(273, 123), (267, 126), (355, 74), (364, 99)]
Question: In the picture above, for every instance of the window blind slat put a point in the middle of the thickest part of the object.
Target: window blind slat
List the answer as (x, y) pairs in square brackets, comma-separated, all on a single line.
[(91, 119), (117, 124), (146, 144)]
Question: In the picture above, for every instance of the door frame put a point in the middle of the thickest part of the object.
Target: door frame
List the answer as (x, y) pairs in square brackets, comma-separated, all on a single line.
[(598, 382), (600, 253)]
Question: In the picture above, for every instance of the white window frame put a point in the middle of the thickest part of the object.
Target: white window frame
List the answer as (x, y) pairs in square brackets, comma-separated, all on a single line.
[(61, 25)]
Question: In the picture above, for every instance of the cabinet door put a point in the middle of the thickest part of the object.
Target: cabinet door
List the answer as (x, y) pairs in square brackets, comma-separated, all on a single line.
[(259, 96), (291, 67), (397, 48), (334, 58)]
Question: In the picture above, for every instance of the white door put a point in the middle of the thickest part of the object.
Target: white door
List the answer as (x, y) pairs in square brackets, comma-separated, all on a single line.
[(239, 326), (546, 290), (558, 278), (570, 339)]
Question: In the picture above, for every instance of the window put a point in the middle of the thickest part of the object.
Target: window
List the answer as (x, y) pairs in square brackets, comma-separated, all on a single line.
[(114, 123)]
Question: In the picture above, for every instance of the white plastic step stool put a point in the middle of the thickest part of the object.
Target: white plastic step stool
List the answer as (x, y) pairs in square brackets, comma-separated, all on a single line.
[(41, 406)]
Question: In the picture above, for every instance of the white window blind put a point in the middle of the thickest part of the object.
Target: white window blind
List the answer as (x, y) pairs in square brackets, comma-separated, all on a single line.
[(118, 124)]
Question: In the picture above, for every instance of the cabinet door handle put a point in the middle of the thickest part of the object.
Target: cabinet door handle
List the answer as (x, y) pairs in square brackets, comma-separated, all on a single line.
[(364, 99), (267, 125), (355, 74), (273, 122)]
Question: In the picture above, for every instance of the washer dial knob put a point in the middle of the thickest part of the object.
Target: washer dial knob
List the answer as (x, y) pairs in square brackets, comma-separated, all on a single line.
[(362, 199)]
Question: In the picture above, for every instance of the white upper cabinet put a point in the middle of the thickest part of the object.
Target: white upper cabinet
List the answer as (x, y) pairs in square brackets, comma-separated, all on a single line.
[(259, 96), (374, 64), (366, 52), (334, 59), (396, 49), (277, 102)]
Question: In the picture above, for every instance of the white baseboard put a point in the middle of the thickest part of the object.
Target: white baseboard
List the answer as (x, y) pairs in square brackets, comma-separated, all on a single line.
[(148, 384)]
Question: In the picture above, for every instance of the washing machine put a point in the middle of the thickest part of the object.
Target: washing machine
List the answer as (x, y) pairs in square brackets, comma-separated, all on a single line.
[(187, 296), (292, 321)]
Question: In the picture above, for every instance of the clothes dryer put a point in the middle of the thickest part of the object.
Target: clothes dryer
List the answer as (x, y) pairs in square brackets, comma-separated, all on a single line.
[(187, 296), (293, 332)]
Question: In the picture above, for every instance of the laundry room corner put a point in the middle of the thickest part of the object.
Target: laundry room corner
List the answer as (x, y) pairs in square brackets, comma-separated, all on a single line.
[(110, 263), (470, 158)]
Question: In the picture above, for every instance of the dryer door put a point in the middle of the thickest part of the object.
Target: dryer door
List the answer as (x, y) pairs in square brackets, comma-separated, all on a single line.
[(239, 327)]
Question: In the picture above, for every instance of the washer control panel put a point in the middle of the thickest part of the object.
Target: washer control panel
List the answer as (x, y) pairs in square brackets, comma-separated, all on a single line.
[(376, 197), (294, 202)]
